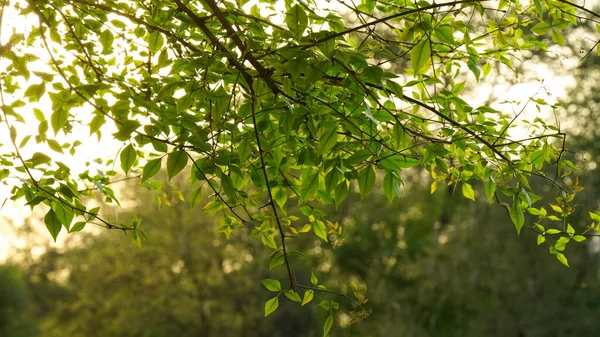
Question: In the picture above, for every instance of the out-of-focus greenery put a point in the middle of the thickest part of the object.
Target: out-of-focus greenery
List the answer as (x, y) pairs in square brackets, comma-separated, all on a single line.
[(435, 266)]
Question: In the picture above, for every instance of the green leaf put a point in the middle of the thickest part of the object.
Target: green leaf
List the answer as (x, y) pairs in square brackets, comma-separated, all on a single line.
[(562, 258), (271, 284), (366, 180), (310, 185), (35, 92), (96, 123), (327, 326), (155, 41), (419, 56), (292, 295), (151, 168), (58, 119), (128, 157), (276, 259), (280, 196), (391, 186), (332, 178), (54, 145), (541, 239), (490, 189), (308, 296), (296, 20), (541, 28), (468, 191), (327, 142), (78, 226), (106, 39), (340, 193), (319, 229), (539, 8), (313, 278), (271, 305), (126, 129), (53, 224), (63, 213), (176, 161), (196, 197), (516, 215)]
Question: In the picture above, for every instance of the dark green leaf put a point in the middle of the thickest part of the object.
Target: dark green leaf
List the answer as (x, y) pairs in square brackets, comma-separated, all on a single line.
[(53, 224), (151, 168), (176, 161), (366, 180)]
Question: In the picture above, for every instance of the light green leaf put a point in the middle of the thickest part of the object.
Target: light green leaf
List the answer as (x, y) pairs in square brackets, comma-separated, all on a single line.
[(58, 119), (54, 145), (541, 28), (516, 215), (313, 278), (271, 284), (155, 41), (419, 56), (562, 258), (128, 157), (319, 229), (106, 39), (292, 295), (468, 191), (327, 326), (271, 305), (366, 180), (308, 296), (490, 189), (176, 161)]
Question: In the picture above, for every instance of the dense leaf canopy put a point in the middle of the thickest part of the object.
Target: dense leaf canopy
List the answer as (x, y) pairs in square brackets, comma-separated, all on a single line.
[(278, 106)]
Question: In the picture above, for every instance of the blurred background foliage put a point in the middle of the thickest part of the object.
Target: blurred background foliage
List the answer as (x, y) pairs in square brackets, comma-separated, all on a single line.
[(434, 264)]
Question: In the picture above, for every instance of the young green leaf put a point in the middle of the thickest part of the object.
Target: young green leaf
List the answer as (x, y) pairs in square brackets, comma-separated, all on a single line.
[(58, 119), (319, 229), (308, 296), (327, 326), (271, 305), (468, 191), (271, 284), (292, 295)]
